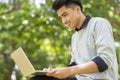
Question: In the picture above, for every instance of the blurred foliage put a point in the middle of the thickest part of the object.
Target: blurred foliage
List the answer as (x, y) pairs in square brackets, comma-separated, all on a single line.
[(38, 30)]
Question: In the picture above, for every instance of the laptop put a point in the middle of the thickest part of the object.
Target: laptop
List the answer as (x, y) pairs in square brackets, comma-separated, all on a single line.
[(24, 63)]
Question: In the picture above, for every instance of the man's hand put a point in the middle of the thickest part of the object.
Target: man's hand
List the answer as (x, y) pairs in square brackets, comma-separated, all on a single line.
[(86, 68), (59, 72)]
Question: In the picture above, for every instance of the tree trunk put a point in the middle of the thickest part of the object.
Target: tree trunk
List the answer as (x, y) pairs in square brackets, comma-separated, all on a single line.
[(9, 64)]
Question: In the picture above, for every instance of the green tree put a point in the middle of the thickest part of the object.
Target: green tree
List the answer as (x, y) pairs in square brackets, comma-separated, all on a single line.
[(41, 34)]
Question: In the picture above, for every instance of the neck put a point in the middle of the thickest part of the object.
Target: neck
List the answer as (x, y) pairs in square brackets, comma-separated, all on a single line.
[(81, 20)]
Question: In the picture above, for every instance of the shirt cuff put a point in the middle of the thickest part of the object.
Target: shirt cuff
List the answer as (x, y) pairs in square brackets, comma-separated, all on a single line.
[(72, 64), (102, 66)]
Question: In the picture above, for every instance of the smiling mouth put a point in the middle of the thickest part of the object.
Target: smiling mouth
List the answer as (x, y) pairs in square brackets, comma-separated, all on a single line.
[(68, 25)]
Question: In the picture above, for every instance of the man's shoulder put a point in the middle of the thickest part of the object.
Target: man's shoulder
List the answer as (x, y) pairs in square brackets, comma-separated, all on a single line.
[(99, 24), (98, 19)]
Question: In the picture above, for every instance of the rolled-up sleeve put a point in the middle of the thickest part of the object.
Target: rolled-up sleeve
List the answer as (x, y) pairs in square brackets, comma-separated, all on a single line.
[(104, 42)]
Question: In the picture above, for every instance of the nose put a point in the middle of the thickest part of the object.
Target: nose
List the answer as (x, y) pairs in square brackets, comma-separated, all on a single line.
[(64, 21)]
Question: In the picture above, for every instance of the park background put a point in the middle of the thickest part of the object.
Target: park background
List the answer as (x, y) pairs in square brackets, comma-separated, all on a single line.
[(33, 25)]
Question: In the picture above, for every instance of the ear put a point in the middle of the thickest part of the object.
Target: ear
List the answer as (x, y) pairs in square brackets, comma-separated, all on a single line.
[(78, 9)]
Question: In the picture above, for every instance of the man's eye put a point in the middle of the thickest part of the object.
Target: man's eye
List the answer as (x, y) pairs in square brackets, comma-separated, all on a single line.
[(64, 15)]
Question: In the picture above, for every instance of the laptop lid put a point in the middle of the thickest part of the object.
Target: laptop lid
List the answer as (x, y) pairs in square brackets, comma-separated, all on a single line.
[(22, 62)]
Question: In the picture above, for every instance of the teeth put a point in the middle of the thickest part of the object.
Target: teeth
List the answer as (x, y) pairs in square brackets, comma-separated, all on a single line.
[(68, 24)]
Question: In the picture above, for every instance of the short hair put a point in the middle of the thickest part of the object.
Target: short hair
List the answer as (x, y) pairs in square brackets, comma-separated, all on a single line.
[(59, 3)]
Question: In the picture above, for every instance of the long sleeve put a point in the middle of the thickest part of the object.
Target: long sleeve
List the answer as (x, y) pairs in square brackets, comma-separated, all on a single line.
[(104, 41)]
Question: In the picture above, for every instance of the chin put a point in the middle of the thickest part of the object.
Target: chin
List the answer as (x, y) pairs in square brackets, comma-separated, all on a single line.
[(71, 27)]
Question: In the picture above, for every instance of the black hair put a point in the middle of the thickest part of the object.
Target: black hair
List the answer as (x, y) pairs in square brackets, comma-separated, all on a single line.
[(59, 3)]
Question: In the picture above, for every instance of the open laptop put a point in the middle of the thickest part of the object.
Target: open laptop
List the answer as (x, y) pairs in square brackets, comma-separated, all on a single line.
[(24, 64)]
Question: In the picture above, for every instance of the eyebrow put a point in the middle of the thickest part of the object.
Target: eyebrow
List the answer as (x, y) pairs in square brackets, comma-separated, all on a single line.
[(63, 13)]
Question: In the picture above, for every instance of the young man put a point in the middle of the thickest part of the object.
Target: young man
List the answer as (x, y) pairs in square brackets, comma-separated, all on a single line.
[(93, 53)]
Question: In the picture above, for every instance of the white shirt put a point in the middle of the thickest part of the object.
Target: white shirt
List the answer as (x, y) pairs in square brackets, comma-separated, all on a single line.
[(96, 39)]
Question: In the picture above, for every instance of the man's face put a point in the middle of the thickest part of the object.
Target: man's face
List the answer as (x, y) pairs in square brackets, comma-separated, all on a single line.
[(69, 16)]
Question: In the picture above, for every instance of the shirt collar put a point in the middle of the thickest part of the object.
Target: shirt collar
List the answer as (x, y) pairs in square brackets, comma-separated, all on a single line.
[(84, 23)]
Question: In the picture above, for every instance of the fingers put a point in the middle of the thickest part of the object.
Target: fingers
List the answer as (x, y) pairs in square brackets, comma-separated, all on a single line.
[(54, 73), (44, 69), (51, 72), (47, 69)]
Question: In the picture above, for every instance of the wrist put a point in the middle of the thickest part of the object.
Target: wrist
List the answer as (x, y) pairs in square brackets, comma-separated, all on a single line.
[(73, 70)]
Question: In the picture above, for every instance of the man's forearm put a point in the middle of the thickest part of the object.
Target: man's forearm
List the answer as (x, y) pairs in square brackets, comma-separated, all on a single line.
[(89, 67)]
